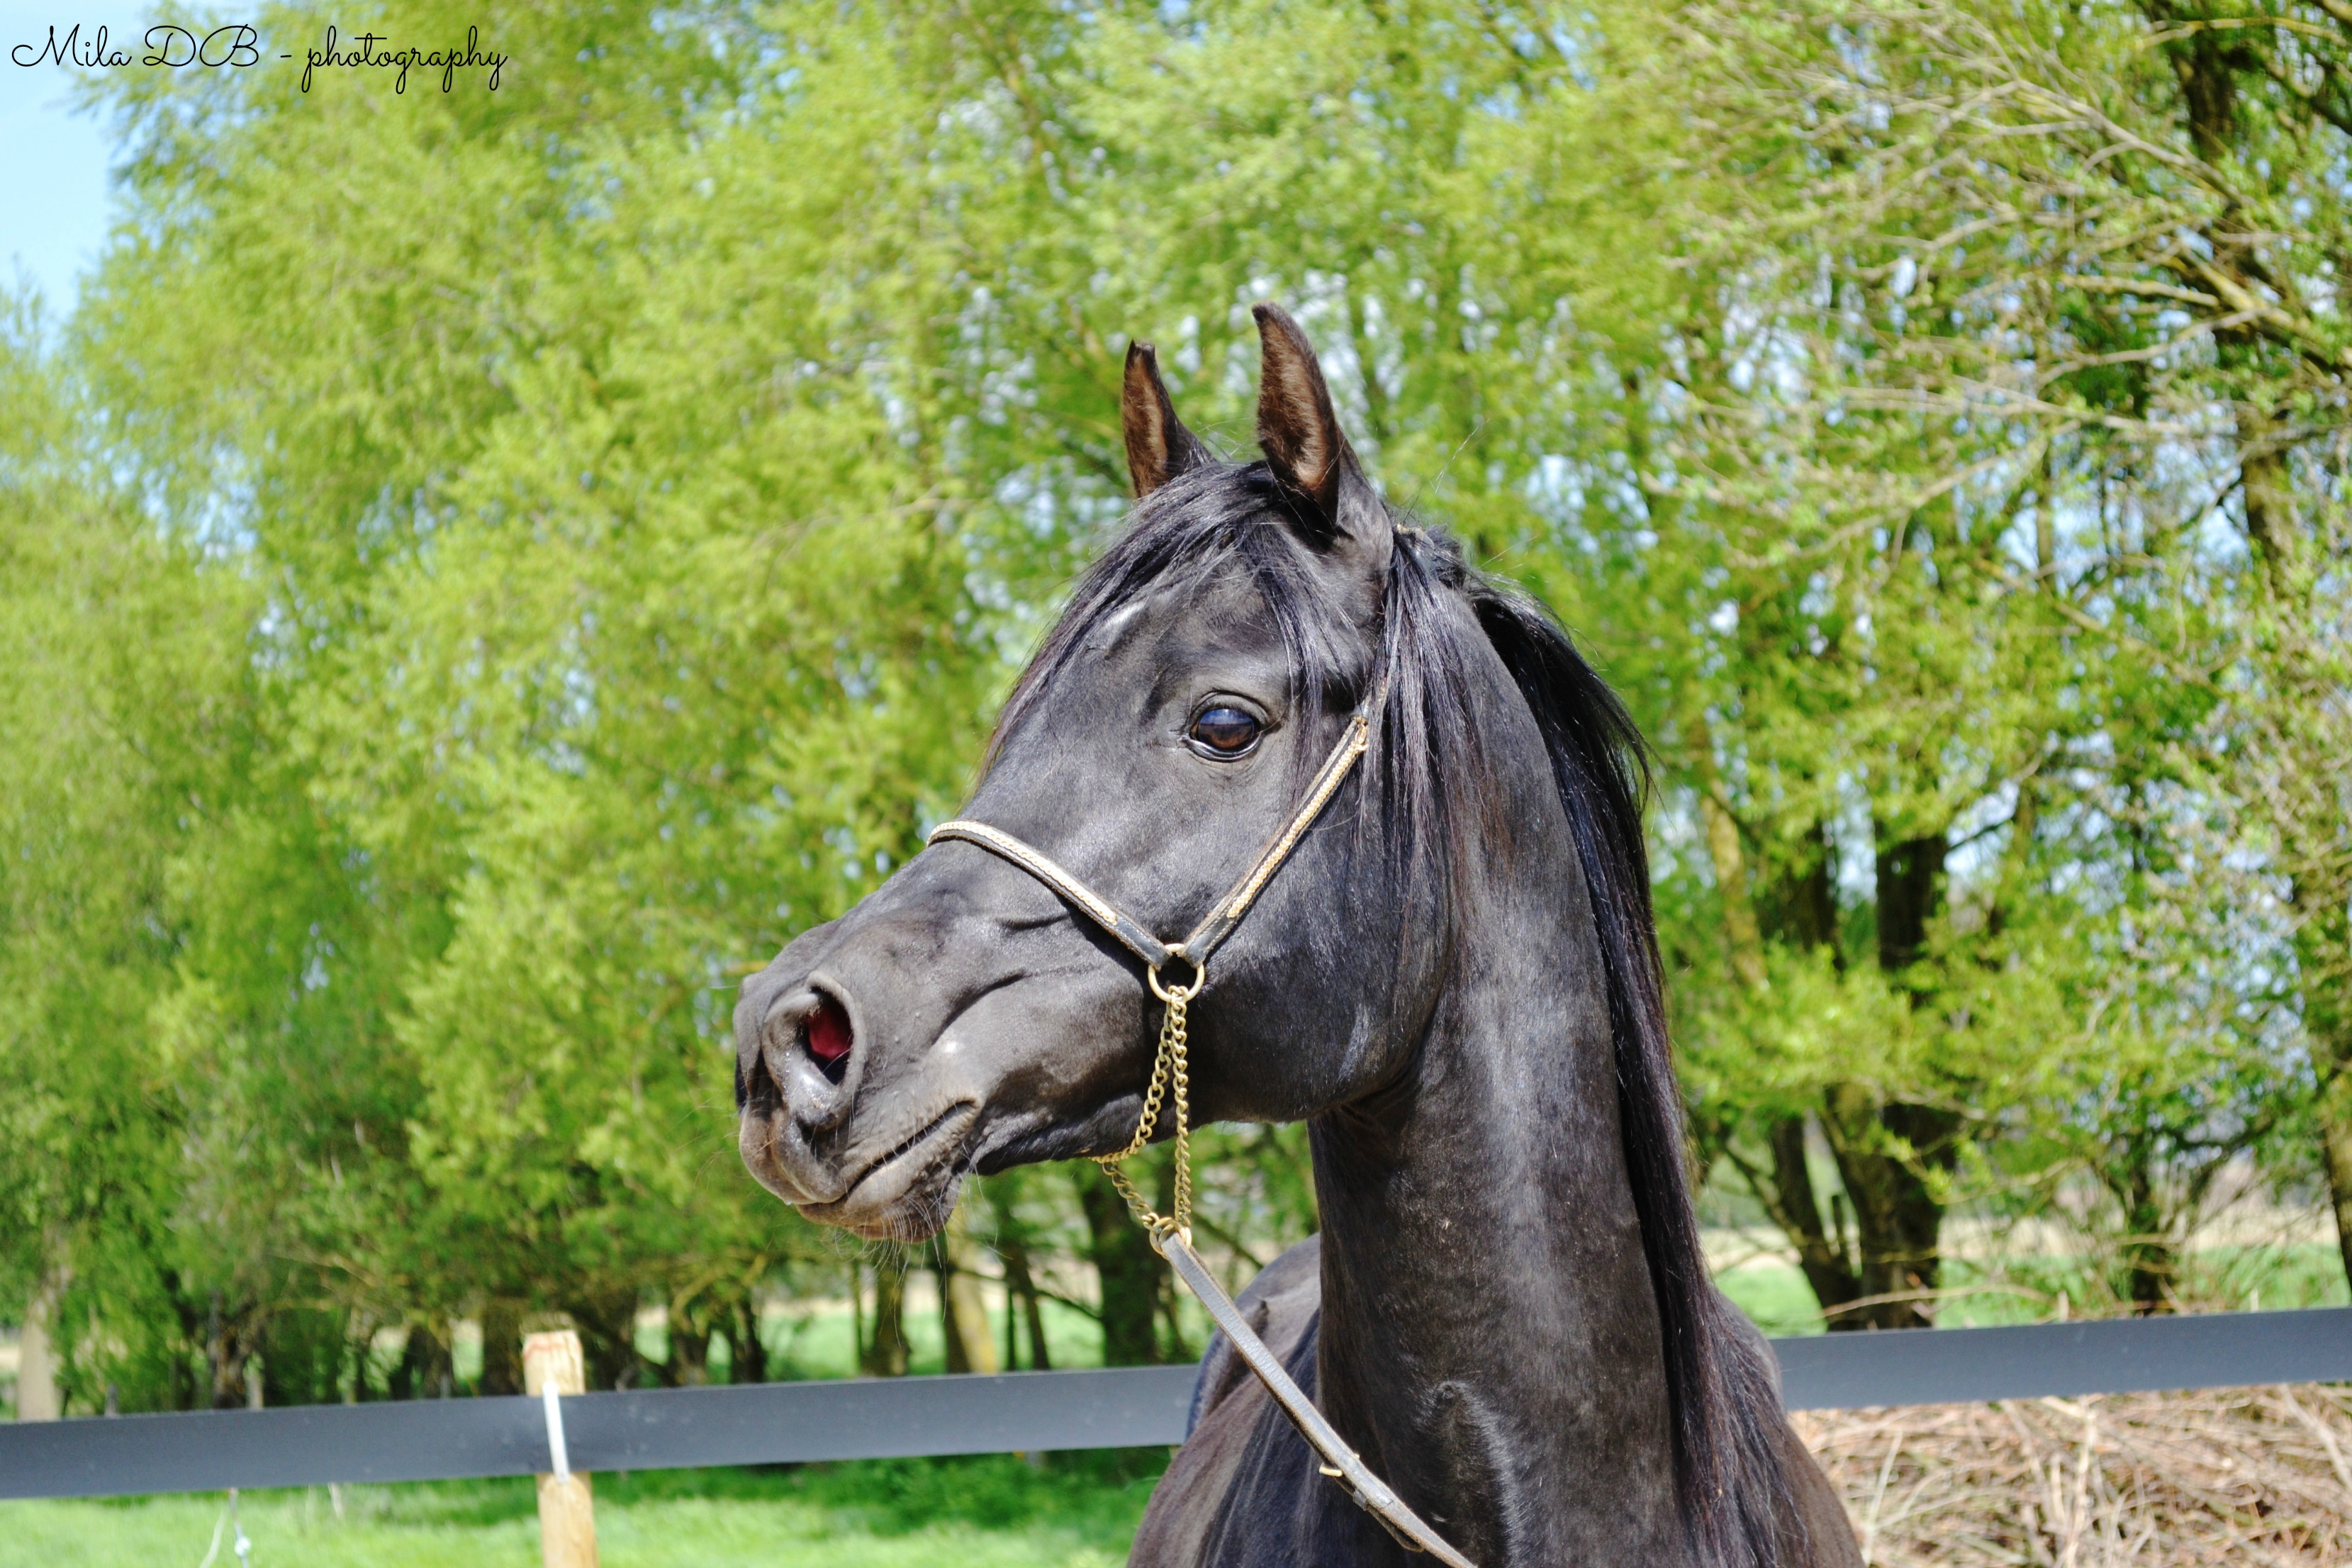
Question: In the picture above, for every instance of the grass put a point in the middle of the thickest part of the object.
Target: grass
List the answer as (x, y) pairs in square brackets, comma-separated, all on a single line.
[(2026, 1290), (1076, 1510)]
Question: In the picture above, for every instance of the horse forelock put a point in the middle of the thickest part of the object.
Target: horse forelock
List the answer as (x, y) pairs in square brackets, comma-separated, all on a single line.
[(1212, 518)]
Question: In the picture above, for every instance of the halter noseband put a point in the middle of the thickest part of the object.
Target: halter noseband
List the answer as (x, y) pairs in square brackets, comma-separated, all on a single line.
[(1171, 1235), (1170, 1068), (1228, 911)]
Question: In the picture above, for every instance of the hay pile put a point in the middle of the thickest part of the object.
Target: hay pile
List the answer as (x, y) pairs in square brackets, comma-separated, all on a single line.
[(2241, 1477)]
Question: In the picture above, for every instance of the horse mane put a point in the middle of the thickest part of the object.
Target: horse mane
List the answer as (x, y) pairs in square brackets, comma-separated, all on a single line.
[(1431, 774), (1726, 1406)]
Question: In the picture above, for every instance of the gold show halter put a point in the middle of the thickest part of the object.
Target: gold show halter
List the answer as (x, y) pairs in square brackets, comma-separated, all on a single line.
[(1170, 1089)]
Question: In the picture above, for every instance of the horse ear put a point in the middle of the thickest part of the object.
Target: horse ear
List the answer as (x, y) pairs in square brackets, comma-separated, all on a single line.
[(1159, 447), (1303, 442)]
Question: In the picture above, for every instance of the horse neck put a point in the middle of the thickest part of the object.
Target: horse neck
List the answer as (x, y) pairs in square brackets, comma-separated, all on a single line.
[(1489, 1338)]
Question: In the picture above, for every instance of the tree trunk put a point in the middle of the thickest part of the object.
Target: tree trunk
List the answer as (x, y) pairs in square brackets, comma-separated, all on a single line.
[(424, 1372), (2305, 810), (857, 1340), (1910, 885), (1916, 1259), (607, 1324), (361, 1350), (1799, 909), (2324, 955), (1128, 1269), (2336, 1154), (300, 1355), (885, 1355), (2147, 1252), (747, 1359), (1729, 863), (502, 1345), (964, 1314), (1021, 1286), (688, 1363), (1884, 1152), (217, 1354), (2327, 1019), (1174, 1346), (229, 1343), (1822, 1255), (955, 1343)]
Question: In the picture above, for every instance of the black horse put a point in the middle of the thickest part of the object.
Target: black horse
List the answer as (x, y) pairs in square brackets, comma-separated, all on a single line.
[(1455, 981)]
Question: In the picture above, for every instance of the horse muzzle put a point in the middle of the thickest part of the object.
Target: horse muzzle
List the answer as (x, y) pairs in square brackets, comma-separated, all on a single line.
[(958, 1019), (807, 1051)]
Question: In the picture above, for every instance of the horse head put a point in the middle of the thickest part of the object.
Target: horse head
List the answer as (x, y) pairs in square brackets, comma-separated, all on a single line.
[(965, 1017)]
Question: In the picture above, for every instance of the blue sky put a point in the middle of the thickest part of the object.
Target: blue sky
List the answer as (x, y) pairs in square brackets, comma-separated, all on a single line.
[(54, 190)]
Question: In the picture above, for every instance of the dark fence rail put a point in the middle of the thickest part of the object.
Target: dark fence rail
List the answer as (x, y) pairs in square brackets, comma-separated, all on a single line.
[(1124, 1407)]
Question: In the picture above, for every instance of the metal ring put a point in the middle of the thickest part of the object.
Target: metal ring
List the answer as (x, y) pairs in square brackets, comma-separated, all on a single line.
[(1181, 993)]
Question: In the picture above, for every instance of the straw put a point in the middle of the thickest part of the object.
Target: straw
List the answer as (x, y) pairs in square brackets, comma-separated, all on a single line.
[(2237, 1476)]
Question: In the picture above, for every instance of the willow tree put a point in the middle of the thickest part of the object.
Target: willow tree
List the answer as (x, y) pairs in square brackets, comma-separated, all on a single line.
[(2085, 257), (127, 708)]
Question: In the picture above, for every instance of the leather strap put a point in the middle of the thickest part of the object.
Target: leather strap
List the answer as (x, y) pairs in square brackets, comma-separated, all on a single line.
[(1038, 864), (1231, 906), (1340, 1462)]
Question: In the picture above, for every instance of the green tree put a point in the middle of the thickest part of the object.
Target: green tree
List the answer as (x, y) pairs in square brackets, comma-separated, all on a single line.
[(603, 562)]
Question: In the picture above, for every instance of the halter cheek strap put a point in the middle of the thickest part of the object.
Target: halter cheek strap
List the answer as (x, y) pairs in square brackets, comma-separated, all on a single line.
[(1171, 1235), (1171, 1070), (1228, 911)]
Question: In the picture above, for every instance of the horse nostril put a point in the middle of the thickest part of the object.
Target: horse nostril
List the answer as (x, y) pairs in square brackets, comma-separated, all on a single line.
[(827, 1034)]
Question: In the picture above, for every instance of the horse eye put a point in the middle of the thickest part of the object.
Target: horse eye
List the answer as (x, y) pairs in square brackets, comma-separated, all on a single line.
[(1226, 730)]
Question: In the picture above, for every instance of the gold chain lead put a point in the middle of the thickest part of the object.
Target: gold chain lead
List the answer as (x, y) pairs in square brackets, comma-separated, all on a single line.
[(1171, 1077)]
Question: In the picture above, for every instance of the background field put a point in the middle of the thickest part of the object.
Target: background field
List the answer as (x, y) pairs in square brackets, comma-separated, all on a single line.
[(1078, 1510), (2210, 1480), (1073, 1511)]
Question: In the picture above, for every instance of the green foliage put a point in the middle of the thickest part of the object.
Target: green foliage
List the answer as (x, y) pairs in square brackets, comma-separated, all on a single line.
[(480, 572)]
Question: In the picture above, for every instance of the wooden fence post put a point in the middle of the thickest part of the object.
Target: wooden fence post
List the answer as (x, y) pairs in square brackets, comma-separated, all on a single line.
[(567, 1510)]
